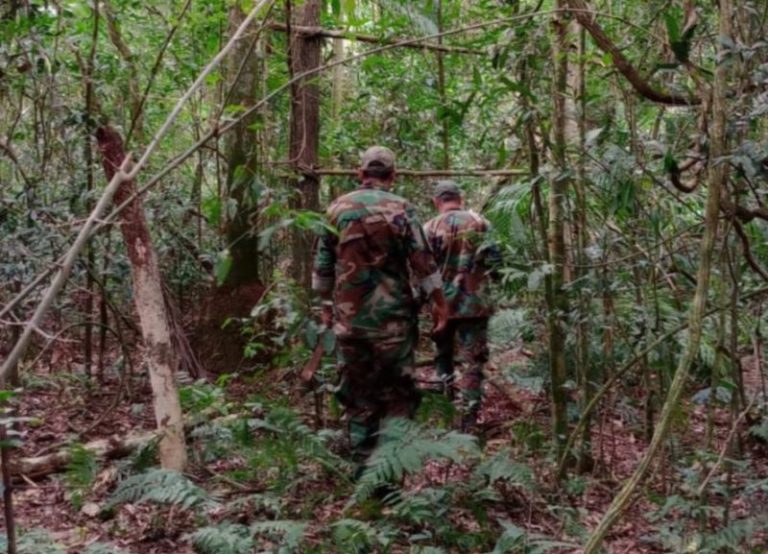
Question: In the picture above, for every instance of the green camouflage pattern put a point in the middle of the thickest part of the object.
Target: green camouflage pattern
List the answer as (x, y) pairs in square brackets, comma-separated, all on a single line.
[(467, 337), (368, 264), (459, 240), (376, 383)]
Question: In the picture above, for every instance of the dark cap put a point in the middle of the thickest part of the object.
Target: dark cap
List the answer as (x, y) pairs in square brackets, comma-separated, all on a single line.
[(446, 188), (378, 158)]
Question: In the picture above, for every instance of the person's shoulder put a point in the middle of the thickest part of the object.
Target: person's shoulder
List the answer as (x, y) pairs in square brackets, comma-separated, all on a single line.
[(349, 201), (475, 219)]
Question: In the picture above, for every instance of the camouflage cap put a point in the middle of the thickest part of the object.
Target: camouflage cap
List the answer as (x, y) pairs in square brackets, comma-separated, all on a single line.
[(446, 188), (378, 158)]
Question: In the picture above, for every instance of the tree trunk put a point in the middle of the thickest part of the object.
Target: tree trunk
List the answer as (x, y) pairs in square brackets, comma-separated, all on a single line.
[(558, 190), (304, 54), (241, 148), (148, 298)]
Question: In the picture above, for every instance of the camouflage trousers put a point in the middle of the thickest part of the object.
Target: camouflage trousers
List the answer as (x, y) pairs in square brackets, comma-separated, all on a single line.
[(469, 339), (375, 383)]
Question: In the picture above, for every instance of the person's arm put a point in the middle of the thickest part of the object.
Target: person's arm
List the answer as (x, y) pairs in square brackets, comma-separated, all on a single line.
[(424, 266), (324, 274)]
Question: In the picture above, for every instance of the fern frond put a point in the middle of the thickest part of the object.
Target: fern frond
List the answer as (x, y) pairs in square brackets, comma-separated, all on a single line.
[(501, 468), (734, 537), (404, 446), (427, 506), (227, 538), (288, 532), (353, 535), (516, 539), (82, 467), (162, 486), (298, 441), (34, 541), (267, 502)]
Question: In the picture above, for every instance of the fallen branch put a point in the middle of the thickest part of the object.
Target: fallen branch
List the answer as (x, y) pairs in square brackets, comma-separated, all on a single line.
[(110, 448), (102, 449)]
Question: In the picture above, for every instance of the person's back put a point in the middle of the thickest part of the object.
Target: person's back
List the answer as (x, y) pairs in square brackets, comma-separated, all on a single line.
[(362, 271), (377, 240), (459, 241), (457, 238)]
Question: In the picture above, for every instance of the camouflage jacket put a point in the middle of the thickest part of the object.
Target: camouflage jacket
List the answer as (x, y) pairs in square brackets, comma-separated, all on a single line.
[(459, 240), (368, 264)]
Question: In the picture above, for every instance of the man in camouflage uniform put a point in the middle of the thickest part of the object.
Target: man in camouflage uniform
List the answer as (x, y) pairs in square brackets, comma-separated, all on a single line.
[(363, 275), (458, 238)]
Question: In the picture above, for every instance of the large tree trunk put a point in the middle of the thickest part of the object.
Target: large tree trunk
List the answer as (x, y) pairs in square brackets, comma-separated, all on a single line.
[(148, 297), (305, 131), (241, 148)]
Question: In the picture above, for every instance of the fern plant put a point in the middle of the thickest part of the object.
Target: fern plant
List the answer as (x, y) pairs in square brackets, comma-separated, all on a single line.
[(34, 541), (162, 486), (516, 540), (226, 538), (353, 535), (286, 534), (81, 471), (288, 445), (404, 446)]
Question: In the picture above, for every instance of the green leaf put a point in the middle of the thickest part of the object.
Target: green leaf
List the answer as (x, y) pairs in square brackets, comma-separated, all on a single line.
[(223, 266)]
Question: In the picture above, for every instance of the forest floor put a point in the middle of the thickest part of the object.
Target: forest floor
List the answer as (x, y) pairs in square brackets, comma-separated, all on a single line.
[(69, 505)]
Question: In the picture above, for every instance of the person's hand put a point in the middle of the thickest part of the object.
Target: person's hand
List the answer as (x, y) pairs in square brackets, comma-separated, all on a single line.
[(439, 313)]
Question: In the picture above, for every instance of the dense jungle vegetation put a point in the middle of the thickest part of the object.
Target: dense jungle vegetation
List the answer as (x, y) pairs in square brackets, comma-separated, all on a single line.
[(164, 169)]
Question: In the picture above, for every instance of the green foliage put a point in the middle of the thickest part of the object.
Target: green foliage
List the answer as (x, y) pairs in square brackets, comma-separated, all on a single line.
[(203, 397), (287, 533), (226, 538), (500, 467), (277, 323), (161, 486), (516, 540), (287, 443), (353, 535), (34, 541), (81, 471), (676, 527), (403, 448)]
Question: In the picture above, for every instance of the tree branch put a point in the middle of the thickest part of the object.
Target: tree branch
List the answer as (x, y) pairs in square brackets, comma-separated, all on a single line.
[(584, 15), (337, 33)]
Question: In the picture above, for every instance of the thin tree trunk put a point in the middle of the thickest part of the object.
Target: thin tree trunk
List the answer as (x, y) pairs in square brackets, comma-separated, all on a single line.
[(586, 367), (305, 131), (446, 161), (5, 460), (88, 155), (150, 305), (717, 178), (558, 190)]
